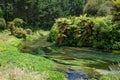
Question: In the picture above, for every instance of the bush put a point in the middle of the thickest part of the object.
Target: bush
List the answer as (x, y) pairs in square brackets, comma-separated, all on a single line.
[(72, 31), (2, 24), (18, 22), (16, 29), (105, 33), (100, 32), (53, 34), (20, 33)]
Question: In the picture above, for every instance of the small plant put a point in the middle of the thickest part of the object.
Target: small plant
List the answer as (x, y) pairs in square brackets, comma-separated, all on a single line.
[(16, 29), (99, 32)]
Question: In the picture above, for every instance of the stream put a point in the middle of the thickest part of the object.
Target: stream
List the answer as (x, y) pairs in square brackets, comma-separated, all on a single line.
[(79, 63), (83, 63)]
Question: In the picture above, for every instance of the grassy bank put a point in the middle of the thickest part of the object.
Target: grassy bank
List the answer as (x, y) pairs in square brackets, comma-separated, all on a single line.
[(11, 60)]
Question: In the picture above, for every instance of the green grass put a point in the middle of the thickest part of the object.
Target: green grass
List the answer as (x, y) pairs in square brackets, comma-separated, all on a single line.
[(10, 55), (13, 56), (111, 77)]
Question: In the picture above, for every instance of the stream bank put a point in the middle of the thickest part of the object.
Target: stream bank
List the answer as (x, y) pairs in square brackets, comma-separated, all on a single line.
[(83, 63)]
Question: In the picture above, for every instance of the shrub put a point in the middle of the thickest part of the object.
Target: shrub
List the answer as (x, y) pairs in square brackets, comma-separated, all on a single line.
[(53, 33), (18, 22), (72, 31), (105, 33), (100, 32), (16, 29), (2, 24), (102, 29), (20, 33)]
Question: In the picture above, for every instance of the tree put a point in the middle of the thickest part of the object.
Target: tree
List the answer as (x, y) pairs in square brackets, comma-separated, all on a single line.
[(97, 7), (42, 12)]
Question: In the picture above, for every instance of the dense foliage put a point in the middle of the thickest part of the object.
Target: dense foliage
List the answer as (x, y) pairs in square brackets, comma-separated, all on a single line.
[(100, 32), (98, 28), (39, 12), (17, 28)]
